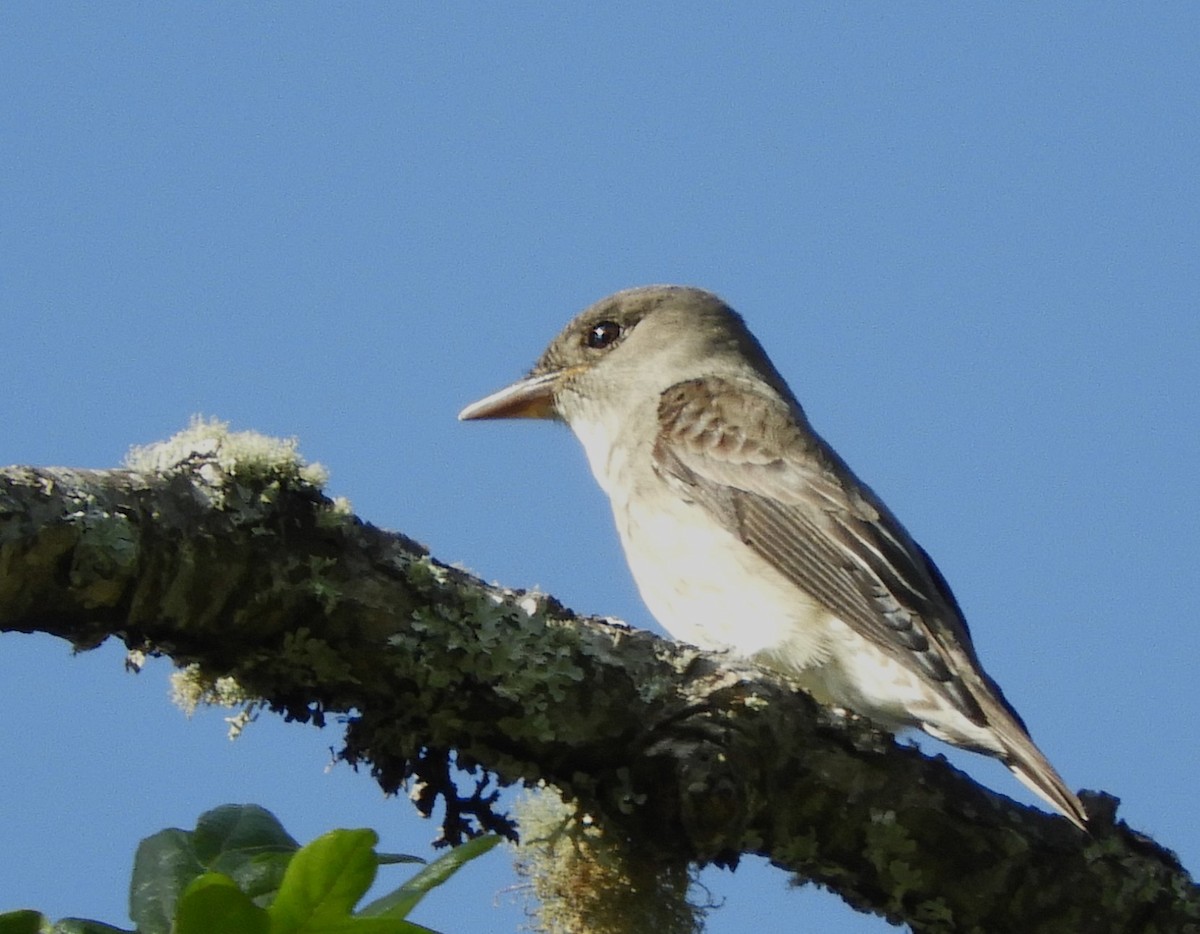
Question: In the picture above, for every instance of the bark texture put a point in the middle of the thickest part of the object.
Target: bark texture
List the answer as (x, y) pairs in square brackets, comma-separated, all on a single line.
[(220, 551)]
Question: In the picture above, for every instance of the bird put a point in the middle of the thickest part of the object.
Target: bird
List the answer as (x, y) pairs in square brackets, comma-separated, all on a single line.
[(746, 532)]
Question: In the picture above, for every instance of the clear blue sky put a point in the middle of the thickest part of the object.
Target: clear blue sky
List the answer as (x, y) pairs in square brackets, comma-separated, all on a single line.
[(969, 236)]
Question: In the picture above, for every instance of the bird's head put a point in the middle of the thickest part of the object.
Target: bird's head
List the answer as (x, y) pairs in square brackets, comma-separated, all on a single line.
[(625, 350)]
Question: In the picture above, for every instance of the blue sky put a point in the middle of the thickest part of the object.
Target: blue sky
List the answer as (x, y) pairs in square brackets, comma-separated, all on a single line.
[(968, 235)]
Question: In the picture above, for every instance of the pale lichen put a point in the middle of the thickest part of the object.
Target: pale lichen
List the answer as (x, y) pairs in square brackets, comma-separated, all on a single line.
[(585, 880), (339, 510), (191, 689), (237, 454)]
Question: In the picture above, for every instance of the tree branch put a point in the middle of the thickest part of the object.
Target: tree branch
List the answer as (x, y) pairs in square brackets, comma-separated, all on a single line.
[(220, 551)]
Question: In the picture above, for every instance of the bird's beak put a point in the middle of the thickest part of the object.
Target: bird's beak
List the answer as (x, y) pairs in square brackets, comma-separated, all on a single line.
[(531, 397)]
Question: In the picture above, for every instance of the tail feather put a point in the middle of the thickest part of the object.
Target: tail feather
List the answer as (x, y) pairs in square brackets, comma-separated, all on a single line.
[(1033, 770), (1017, 750)]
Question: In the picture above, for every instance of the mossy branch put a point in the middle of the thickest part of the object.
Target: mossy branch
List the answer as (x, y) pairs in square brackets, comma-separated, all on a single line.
[(220, 550)]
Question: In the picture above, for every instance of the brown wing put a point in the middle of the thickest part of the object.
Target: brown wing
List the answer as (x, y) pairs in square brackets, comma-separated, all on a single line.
[(751, 459)]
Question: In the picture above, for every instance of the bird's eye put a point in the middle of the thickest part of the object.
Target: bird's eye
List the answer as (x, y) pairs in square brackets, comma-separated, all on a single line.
[(603, 335)]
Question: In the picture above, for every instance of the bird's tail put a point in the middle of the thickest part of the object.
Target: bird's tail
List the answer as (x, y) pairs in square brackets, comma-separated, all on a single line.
[(1034, 771), (1010, 742), (1023, 758)]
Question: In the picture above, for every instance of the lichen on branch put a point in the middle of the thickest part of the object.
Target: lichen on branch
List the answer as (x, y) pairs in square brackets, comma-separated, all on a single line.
[(221, 550)]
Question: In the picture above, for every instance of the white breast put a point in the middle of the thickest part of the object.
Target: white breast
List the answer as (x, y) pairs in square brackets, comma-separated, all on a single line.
[(707, 587), (702, 584)]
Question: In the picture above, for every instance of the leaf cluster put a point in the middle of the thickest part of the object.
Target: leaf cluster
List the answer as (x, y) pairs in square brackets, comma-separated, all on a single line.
[(240, 872)]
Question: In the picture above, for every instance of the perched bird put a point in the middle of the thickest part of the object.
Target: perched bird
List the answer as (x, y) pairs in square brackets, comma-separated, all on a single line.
[(745, 531)]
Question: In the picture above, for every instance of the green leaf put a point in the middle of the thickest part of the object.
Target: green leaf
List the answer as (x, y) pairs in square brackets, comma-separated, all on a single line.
[(24, 921), (240, 828), (400, 927), (243, 841), (399, 903), (85, 926), (352, 925), (260, 876), (162, 868), (213, 903), (324, 881), (32, 922), (247, 843), (386, 859)]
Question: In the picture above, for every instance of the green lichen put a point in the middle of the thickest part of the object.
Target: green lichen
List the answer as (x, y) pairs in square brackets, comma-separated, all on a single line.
[(311, 660), (321, 585), (507, 641), (105, 557)]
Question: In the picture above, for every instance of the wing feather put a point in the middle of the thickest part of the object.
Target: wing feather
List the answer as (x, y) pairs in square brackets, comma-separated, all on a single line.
[(748, 456), (751, 460)]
